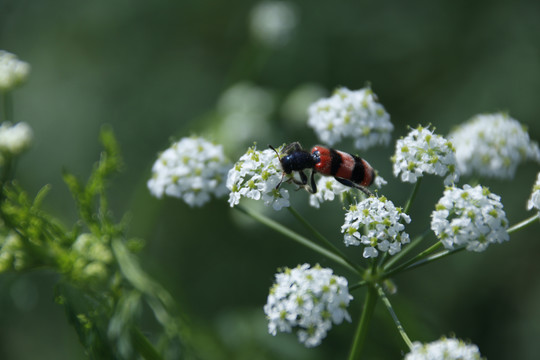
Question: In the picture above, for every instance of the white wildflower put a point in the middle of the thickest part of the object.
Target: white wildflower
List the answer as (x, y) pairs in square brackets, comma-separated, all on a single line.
[(493, 145), (534, 200), (309, 300), (351, 114), (192, 169), (423, 152), (12, 71), (328, 188), (14, 139), (247, 107), (272, 22), (444, 349), (384, 230), (471, 217), (255, 176)]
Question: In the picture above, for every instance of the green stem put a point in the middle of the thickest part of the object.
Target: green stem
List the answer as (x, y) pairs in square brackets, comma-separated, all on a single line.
[(143, 346), (413, 195), (415, 259), (400, 328), (358, 285), (323, 239), (406, 249), (362, 329), (524, 223), (297, 237), (425, 261)]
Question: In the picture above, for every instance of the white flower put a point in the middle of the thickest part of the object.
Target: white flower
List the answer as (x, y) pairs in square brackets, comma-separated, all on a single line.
[(12, 71), (327, 190), (384, 230), (244, 110), (471, 217), (423, 152), (493, 145), (191, 169), (272, 22), (14, 139), (309, 300), (351, 114), (255, 176), (444, 349), (534, 200)]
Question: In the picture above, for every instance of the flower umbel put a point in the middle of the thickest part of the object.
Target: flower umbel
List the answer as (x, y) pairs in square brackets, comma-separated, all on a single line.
[(309, 299), (14, 139), (328, 189), (423, 152), (534, 200), (191, 169), (255, 176), (444, 349), (384, 230), (493, 145), (351, 114), (12, 71), (272, 22), (471, 217)]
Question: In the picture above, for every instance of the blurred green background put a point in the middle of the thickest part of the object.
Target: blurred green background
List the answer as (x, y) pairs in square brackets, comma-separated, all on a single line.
[(155, 71)]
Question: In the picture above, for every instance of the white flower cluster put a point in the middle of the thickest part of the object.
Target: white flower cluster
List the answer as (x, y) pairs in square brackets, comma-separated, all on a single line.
[(423, 152), (244, 106), (534, 200), (471, 216), (351, 114), (327, 190), (12, 71), (191, 169), (255, 176), (14, 139), (493, 145), (384, 230), (444, 349), (272, 22), (310, 299)]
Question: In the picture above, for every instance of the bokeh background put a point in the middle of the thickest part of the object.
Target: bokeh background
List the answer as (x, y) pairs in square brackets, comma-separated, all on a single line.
[(158, 70)]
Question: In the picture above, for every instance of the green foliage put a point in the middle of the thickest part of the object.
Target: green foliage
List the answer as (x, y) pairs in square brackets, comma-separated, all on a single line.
[(102, 287)]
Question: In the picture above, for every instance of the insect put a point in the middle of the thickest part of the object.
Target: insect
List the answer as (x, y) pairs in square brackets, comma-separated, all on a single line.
[(348, 169)]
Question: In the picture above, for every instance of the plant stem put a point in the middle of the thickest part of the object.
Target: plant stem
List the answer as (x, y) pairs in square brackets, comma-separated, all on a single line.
[(143, 346), (400, 328), (362, 329), (524, 223), (298, 238), (425, 261), (322, 238), (413, 195), (415, 259), (358, 285), (406, 249)]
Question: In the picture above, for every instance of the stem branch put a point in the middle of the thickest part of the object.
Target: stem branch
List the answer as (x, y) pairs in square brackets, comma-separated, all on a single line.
[(362, 329), (400, 328), (298, 238), (524, 223)]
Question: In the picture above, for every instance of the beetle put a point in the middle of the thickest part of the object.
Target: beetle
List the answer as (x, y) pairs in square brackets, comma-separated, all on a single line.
[(348, 169)]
